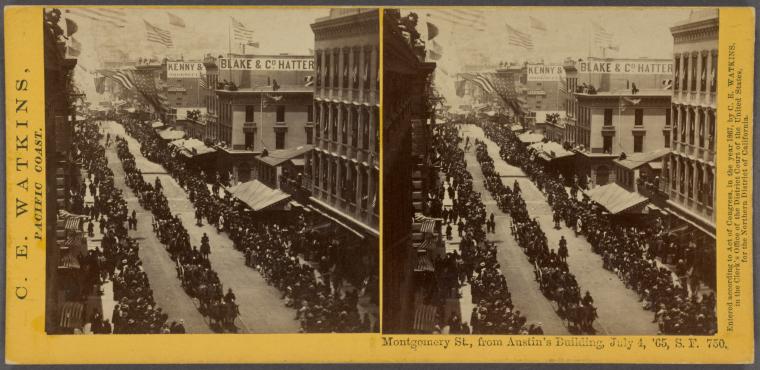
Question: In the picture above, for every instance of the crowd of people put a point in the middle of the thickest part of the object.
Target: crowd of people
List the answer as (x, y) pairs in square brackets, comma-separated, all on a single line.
[(117, 258), (494, 312), (316, 293), (551, 268), (194, 269), (630, 251)]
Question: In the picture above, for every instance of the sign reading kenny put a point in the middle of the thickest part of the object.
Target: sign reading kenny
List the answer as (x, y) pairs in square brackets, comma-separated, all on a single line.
[(267, 64), (542, 72), (626, 67), (184, 69)]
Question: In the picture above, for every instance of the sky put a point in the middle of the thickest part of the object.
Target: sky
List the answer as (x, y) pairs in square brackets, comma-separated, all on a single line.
[(206, 31), (639, 32)]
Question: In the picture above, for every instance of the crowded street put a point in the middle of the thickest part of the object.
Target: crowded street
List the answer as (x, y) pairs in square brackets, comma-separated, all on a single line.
[(612, 299), (261, 309)]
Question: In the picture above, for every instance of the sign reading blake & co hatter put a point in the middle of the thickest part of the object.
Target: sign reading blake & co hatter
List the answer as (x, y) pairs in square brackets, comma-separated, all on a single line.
[(267, 64), (184, 69), (626, 67)]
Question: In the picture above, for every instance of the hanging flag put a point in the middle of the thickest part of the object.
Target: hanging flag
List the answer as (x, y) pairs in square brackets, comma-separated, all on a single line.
[(481, 81), (100, 85), (459, 87), (432, 31), (600, 35), (240, 32), (71, 27), (145, 85), (74, 47), (432, 55), (625, 101), (202, 82), (123, 78), (308, 81), (535, 23), (470, 18), (104, 16), (175, 20), (157, 35), (253, 44), (519, 38)]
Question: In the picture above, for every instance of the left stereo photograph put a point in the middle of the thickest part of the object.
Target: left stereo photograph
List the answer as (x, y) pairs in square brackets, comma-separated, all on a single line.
[(211, 170)]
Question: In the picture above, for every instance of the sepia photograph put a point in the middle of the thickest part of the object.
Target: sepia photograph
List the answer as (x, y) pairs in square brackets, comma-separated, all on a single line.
[(212, 170), (549, 171)]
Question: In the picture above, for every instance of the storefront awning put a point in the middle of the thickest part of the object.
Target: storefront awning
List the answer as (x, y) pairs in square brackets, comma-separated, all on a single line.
[(423, 263), (171, 134), (192, 147), (71, 221), (529, 138), (616, 199), (549, 151), (424, 318), (71, 315), (257, 195)]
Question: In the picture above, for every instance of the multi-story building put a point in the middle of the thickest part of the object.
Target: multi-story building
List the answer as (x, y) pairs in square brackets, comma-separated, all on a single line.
[(65, 239), (407, 169), (611, 123), (252, 111), (343, 170), (691, 165)]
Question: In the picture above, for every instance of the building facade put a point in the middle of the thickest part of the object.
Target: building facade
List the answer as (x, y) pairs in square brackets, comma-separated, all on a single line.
[(342, 171), (613, 123), (407, 169), (691, 165), (65, 240)]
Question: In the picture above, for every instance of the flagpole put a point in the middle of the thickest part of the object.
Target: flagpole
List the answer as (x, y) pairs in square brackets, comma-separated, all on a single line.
[(229, 48)]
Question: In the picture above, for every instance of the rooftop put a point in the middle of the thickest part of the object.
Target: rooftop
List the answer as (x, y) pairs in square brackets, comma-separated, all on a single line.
[(277, 157), (284, 89), (627, 92), (636, 160)]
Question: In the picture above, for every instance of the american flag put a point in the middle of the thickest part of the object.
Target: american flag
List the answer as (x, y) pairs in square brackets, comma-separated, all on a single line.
[(241, 33), (145, 84), (202, 82), (157, 35), (601, 36), (121, 77), (459, 17), (535, 23), (519, 38), (175, 20), (480, 80), (111, 17)]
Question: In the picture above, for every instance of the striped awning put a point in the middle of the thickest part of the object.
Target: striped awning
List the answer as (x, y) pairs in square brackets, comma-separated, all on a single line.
[(428, 223), (71, 315), (427, 244), (71, 221), (424, 318), (423, 263), (73, 241)]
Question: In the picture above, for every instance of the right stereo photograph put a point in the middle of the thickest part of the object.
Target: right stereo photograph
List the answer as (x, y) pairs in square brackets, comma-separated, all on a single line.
[(549, 171)]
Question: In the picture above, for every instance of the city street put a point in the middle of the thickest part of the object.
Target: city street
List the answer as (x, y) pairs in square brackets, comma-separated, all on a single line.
[(619, 309), (261, 308)]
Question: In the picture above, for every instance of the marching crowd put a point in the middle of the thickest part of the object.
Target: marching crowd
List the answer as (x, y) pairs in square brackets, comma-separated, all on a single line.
[(494, 312), (322, 305), (194, 269), (117, 257), (551, 269), (629, 251)]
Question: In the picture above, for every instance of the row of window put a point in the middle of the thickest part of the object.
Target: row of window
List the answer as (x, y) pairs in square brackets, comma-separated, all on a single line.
[(355, 66), (279, 113), (333, 124), (701, 126), (688, 67), (683, 177)]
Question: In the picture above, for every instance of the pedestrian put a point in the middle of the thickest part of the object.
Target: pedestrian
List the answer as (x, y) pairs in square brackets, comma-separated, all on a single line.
[(448, 231)]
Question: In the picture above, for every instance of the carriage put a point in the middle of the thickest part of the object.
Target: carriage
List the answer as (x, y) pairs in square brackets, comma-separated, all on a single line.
[(207, 298)]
